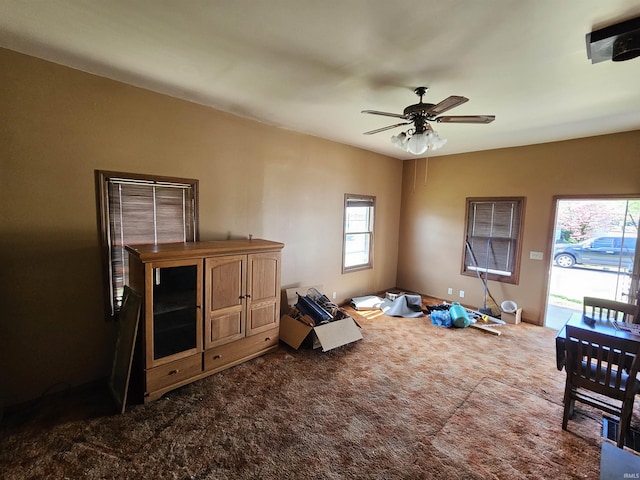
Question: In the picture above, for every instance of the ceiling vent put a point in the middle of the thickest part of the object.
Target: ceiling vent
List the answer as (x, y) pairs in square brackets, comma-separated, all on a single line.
[(618, 42)]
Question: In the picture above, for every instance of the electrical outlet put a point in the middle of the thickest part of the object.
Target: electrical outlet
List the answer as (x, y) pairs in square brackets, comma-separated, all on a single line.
[(334, 295), (461, 293), (450, 291)]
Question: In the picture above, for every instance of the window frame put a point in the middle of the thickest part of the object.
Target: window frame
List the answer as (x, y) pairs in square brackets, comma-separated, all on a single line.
[(103, 179), (369, 201), (516, 240)]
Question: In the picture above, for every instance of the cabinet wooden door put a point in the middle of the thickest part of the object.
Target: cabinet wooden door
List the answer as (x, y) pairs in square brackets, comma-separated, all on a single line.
[(173, 315), (225, 284), (263, 292)]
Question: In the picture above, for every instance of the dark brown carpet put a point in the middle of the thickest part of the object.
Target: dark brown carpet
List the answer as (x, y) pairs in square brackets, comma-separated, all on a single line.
[(410, 401)]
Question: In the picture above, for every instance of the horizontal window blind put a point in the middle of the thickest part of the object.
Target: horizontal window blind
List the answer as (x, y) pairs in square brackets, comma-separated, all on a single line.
[(493, 229), (360, 202), (144, 211)]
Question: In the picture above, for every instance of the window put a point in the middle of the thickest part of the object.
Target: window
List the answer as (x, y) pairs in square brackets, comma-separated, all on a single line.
[(138, 209), (493, 238), (357, 245)]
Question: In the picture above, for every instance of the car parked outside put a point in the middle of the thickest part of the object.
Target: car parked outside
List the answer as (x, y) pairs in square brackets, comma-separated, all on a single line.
[(603, 251)]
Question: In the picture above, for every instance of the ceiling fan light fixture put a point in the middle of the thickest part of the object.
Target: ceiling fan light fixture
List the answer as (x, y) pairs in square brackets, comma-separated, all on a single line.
[(400, 140), (435, 141), (418, 143)]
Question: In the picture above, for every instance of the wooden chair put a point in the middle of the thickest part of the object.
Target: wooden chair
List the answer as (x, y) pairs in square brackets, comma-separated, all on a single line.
[(605, 309), (603, 365)]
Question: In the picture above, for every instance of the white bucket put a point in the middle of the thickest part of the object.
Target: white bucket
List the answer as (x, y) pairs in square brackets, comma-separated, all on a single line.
[(509, 306)]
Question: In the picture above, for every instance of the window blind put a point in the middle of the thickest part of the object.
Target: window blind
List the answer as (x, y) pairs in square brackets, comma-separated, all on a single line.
[(493, 229), (144, 211), (360, 202)]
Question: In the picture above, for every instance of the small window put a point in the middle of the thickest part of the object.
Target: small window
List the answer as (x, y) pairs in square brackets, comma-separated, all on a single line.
[(137, 209), (357, 245), (493, 238)]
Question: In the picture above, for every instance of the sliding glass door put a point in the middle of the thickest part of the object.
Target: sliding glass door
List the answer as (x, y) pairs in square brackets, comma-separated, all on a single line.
[(594, 253)]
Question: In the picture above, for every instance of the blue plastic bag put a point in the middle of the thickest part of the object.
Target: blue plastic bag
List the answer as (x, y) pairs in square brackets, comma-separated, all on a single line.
[(441, 318)]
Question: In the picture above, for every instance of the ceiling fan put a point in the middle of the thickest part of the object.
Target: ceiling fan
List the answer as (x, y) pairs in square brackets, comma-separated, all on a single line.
[(422, 137)]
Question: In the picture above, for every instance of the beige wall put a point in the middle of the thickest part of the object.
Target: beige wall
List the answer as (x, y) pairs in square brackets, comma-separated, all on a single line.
[(59, 125), (432, 219)]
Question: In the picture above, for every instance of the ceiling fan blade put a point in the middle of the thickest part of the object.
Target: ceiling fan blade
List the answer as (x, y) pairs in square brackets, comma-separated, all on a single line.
[(447, 104), (376, 112), (378, 130), (466, 119)]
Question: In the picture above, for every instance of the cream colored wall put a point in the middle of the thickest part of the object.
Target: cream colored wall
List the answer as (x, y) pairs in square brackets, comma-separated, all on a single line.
[(59, 125), (432, 218)]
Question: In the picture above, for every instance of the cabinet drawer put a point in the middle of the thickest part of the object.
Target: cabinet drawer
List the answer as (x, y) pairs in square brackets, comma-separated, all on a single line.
[(219, 357), (174, 372)]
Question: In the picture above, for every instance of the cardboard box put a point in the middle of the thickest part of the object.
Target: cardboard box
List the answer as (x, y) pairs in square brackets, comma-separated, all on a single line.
[(327, 336), (513, 318)]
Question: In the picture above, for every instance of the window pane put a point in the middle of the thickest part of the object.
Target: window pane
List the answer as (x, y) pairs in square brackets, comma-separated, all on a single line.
[(357, 219), (481, 220), (358, 232), (356, 249), (504, 219), (136, 207), (493, 229), (172, 214), (493, 219)]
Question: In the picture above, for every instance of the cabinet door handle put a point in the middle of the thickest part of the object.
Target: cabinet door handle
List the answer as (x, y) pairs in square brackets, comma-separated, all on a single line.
[(174, 372), (267, 339), (217, 357)]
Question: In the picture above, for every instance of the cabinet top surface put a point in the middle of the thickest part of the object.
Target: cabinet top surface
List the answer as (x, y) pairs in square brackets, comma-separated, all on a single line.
[(152, 251)]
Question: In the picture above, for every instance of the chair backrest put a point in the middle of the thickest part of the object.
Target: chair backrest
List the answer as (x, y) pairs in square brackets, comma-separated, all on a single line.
[(602, 363), (605, 309)]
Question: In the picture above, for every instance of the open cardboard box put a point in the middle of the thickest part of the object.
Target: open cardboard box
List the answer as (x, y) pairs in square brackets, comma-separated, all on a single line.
[(327, 336), (513, 318)]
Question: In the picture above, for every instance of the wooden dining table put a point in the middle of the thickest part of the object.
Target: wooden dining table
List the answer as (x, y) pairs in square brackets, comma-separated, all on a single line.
[(605, 327)]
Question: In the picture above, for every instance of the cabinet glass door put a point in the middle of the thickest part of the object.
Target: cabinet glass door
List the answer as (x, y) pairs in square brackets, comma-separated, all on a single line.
[(175, 310)]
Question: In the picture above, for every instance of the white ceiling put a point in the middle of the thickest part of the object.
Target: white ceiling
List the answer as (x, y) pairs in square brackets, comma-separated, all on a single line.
[(312, 65)]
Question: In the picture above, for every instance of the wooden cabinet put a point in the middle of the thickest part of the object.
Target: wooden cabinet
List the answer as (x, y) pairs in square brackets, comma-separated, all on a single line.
[(242, 296), (207, 306)]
